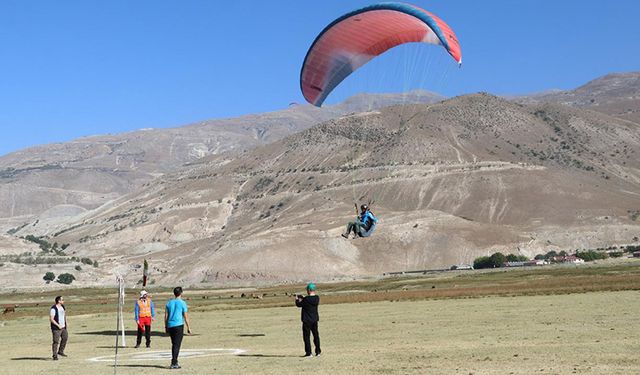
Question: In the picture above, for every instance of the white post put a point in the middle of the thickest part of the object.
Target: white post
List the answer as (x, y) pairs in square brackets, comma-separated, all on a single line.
[(115, 357), (119, 321), (121, 305)]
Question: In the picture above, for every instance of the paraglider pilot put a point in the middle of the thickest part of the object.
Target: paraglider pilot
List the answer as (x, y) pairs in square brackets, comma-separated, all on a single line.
[(363, 226)]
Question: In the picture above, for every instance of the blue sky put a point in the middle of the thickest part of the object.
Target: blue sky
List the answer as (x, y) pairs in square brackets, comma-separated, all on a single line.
[(75, 68)]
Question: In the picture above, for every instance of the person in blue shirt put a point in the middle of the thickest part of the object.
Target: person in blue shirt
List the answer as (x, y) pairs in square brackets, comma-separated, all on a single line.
[(175, 317), (364, 225)]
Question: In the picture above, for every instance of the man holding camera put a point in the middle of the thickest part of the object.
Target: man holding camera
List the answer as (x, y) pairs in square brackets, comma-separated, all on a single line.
[(310, 318)]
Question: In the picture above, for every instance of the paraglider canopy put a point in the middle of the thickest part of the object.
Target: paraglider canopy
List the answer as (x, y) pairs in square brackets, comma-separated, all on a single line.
[(352, 40)]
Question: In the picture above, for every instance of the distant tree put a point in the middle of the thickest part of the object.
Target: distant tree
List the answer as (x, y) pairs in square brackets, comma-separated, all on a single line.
[(482, 262), (516, 258), (551, 254), (44, 245), (64, 246), (563, 253), (632, 248), (591, 255), (512, 258), (95, 263), (49, 276), (498, 259), (66, 278), (78, 268), (539, 257)]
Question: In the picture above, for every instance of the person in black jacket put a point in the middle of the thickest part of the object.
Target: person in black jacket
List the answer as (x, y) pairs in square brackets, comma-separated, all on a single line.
[(310, 318), (58, 320)]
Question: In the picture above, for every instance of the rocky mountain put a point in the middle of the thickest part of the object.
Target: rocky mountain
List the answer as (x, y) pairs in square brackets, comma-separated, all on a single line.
[(449, 181), (615, 94), (88, 172)]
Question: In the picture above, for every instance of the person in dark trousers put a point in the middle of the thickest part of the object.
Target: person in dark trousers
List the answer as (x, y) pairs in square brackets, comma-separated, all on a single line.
[(58, 320), (364, 225), (310, 318), (175, 317), (144, 314)]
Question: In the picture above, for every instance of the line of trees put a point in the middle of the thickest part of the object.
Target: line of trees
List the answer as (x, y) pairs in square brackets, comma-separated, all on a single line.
[(45, 246), (63, 278), (590, 255), (497, 260)]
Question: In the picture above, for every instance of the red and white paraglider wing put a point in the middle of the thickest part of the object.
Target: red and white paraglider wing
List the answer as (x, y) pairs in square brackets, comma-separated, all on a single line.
[(357, 37)]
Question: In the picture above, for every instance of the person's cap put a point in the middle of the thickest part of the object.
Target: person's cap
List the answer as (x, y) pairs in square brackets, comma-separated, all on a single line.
[(311, 286), (143, 293), (364, 207)]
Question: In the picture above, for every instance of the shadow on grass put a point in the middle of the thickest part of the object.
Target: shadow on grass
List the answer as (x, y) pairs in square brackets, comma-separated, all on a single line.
[(268, 355), (127, 333), (31, 359), (251, 335), (143, 366), (141, 348), (130, 333)]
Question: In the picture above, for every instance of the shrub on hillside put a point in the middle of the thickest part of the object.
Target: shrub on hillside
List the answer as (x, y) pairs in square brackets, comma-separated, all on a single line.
[(66, 278), (44, 245), (49, 276)]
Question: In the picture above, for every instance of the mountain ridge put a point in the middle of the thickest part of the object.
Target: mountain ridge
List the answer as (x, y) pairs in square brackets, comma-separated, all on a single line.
[(94, 170)]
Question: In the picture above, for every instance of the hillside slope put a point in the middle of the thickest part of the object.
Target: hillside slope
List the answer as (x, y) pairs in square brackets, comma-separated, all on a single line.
[(449, 182), (91, 171)]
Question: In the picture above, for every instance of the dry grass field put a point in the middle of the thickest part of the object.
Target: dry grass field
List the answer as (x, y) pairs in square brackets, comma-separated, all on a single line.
[(555, 320)]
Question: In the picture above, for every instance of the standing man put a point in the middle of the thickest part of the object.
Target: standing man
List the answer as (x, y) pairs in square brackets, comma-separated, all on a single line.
[(310, 318), (145, 314), (175, 317), (58, 319)]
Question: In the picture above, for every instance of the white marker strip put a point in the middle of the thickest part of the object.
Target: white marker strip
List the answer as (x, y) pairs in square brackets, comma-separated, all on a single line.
[(164, 355)]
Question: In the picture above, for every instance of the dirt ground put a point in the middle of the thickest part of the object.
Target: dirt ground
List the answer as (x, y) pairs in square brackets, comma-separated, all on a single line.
[(589, 333)]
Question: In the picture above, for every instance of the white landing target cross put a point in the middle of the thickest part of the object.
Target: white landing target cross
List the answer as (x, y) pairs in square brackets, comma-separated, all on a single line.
[(166, 355)]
